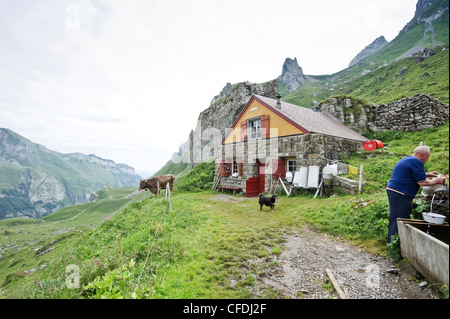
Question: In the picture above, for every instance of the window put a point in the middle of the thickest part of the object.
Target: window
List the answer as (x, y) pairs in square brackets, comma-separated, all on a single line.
[(292, 166), (235, 167), (254, 129)]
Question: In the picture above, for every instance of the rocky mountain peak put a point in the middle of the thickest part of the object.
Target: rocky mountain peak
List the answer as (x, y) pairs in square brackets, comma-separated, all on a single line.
[(421, 14), (226, 89), (422, 5), (377, 44), (292, 75)]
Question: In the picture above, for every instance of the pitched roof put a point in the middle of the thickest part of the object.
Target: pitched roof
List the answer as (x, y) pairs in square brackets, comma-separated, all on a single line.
[(312, 121)]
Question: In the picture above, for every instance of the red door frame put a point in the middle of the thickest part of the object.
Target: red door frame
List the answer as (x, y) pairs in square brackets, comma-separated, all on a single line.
[(261, 176)]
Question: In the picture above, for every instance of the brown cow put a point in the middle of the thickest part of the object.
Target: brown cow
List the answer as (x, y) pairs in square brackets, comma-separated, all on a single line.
[(152, 185)]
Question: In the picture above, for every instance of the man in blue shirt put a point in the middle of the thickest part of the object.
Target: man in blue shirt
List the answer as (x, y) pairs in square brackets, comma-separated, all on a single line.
[(407, 177)]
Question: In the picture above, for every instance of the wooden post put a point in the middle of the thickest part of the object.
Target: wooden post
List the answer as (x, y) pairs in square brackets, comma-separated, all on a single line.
[(271, 186), (170, 199), (319, 188), (360, 179), (335, 284), (279, 178), (216, 183)]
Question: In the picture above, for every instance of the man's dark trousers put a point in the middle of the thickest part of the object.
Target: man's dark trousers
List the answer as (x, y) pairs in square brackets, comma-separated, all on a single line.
[(400, 206)]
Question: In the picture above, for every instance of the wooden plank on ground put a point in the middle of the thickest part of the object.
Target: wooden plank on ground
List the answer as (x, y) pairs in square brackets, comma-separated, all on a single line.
[(216, 183), (319, 188), (336, 285), (285, 189)]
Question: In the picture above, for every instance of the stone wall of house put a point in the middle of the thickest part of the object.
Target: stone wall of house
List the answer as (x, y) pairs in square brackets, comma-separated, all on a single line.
[(308, 149)]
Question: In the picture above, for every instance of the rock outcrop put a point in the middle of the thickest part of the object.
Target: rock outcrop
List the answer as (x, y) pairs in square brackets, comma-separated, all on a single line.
[(415, 113), (214, 122), (292, 75), (377, 44), (227, 89), (352, 112), (422, 15), (422, 5)]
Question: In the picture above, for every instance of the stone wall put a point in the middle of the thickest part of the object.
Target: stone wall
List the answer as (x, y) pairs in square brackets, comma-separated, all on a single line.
[(238, 182), (416, 113), (346, 185)]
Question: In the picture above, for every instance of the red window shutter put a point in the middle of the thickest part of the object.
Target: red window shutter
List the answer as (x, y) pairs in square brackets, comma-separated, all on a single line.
[(278, 168), (265, 128), (243, 131), (240, 169)]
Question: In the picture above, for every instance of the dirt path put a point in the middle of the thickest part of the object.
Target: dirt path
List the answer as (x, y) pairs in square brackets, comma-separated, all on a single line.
[(301, 272), (226, 198), (301, 269)]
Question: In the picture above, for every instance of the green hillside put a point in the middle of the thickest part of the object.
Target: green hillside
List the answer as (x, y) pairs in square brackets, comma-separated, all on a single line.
[(23, 241), (136, 247), (386, 84), (391, 73), (36, 181)]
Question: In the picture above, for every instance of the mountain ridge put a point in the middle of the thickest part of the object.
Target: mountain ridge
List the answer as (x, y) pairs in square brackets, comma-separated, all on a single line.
[(37, 181), (377, 44)]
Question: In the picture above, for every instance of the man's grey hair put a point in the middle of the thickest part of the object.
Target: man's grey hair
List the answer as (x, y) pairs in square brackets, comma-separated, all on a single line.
[(422, 149)]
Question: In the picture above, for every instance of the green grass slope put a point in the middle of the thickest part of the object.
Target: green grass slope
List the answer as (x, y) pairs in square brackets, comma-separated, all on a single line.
[(23, 240), (30, 170), (196, 249), (379, 78)]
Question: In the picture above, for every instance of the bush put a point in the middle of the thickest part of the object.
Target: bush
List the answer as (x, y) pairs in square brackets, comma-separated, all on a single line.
[(354, 219), (198, 179), (394, 248)]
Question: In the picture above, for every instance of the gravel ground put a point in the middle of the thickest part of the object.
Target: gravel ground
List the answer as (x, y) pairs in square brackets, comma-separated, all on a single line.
[(302, 265), (301, 269)]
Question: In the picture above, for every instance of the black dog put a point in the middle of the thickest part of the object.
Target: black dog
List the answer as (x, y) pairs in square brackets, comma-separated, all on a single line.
[(268, 201)]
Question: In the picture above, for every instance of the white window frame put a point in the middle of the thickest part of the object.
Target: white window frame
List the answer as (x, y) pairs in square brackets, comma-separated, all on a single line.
[(254, 128), (291, 163), (235, 168)]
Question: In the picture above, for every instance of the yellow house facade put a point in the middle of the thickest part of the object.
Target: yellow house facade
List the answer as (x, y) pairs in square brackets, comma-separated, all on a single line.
[(270, 138), (259, 120)]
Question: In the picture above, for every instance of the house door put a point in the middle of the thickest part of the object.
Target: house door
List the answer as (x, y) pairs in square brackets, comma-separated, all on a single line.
[(255, 185), (261, 176)]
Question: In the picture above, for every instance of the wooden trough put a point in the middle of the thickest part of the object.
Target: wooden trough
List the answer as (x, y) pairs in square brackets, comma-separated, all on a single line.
[(426, 248)]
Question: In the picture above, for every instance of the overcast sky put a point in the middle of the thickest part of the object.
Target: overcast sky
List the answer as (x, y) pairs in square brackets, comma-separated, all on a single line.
[(126, 80)]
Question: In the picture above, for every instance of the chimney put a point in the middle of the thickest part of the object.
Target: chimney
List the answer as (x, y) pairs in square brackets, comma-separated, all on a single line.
[(279, 101), (315, 107)]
